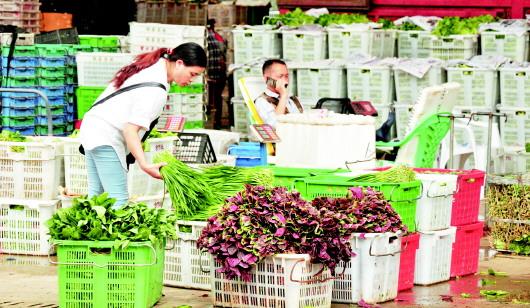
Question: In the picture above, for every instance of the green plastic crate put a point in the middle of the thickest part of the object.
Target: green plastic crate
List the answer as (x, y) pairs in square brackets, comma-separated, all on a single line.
[(402, 196), (285, 176), (56, 110), (51, 72), (193, 124), (42, 130), (95, 274), (52, 50), (191, 89), (21, 82), (52, 81), (18, 121), (86, 96), (20, 51), (100, 41)]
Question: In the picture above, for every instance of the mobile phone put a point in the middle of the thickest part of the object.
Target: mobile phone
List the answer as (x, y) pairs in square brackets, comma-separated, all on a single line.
[(272, 83)]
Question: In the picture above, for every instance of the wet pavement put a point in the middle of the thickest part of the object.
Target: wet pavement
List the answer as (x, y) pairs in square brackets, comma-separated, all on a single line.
[(32, 282)]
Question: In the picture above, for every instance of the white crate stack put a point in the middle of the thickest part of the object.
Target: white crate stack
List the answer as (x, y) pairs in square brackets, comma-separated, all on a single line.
[(145, 37), (31, 173), (304, 45), (253, 42), (189, 105), (347, 40), (98, 68)]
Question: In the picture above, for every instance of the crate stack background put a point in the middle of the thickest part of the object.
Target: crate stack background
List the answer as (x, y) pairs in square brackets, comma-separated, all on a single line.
[(21, 13), (172, 12)]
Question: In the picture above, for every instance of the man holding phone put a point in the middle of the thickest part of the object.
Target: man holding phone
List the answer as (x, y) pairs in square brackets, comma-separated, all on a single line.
[(275, 100)]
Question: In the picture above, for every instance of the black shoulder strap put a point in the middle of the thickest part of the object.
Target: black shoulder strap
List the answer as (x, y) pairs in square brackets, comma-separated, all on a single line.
[(129, 88), (14, 36)]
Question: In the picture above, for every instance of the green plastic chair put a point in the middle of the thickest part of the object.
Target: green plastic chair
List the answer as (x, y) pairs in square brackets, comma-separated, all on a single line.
[(420, 147)]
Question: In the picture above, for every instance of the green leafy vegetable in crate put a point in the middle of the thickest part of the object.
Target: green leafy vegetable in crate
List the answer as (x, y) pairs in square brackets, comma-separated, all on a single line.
[(409, 26), (341, 19), (456, 25), (387, 24), (156, 134), (521, 245), (527, 147), (94, 219), (9, 136), (396, 174), (295, 18)]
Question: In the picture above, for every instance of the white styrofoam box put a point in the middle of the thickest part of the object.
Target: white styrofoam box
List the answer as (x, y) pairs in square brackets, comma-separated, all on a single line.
[(509, 45), (370, 83), (515, 86), (513, 161), (241, 116), (433, 257), (317, 139), (23, 227), (433, 210), (245, 71), (453, 47), (515, 131), (98, 68), (403, 114), (31, 170), (255, 42), (284, 280), (382, 115), (413, 44), (372, 274), (345, 42), (480, 86), (220, 140), (409, 87), (185, 265), (303, 46), (317, 81)]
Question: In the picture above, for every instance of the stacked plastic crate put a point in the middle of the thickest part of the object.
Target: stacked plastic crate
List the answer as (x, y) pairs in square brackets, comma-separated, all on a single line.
[(21, 13), (186, 101)]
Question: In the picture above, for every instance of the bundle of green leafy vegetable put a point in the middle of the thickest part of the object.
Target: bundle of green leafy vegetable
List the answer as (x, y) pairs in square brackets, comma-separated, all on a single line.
[(341, 19), (156, 134), (409, 26), (396, 174), (94, 219), (9, 136), (295, 18), (456, 25), (261, 222), (387, 24)]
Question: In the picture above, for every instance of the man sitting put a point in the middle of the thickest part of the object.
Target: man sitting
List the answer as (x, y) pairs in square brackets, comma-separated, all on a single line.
[(275, 100)]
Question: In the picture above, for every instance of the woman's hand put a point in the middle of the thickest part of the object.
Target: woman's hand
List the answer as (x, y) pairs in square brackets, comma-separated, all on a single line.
[(153, 169)]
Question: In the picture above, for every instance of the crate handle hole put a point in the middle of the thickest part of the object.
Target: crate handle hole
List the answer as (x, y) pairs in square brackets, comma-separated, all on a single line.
[(100, 251)]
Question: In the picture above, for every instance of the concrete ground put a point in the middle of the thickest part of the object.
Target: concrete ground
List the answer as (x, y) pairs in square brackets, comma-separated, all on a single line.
[(32, 282)]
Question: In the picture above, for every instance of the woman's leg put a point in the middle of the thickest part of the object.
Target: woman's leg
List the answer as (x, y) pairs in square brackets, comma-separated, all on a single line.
[(112, 176), (94, 184)]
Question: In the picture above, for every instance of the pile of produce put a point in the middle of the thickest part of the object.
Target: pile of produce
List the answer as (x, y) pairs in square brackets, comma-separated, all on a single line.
[(260, 222), (295, 18), (6, 135), (197, 194), (456, 25), (94, 219), (409, 26), (395, 174), (341, 19)]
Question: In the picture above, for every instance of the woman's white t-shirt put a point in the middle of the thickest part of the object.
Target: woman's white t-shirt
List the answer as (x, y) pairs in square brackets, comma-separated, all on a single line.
[(103, 124)]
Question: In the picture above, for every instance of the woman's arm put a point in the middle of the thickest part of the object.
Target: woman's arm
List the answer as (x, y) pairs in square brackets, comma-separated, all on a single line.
[(130, 133)]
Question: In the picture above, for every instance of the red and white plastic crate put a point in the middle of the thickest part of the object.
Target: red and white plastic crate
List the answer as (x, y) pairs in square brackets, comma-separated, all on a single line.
[(372, 274), (433, 210), (407, 262), (433, 258), (23, 227), (31, 170), (185, 266), (285, 280), (465, 256)]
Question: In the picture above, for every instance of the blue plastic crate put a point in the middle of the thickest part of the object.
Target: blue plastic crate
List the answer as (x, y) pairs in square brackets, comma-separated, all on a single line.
[(20, 62), (52, 100), (26, 131), (20, 72), (70, 60), (69, 108), (249, 154), (69, 88), (56, 120), (19, 102), (52, 62), (53, 91), (14, 112)]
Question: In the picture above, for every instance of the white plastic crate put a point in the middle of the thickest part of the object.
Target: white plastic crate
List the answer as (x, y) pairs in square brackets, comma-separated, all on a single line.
[(185, 266), (173, 105), (245, 71), (433, 210), (304, 45), (409, 87), (370, 83), (23, 227), (75, 172), (433, 257), (480, 86), (285, 280), (371, 275), (98, 68), (220, 140), (252, 43), (413, 44), (146, 37), (317, 81), (453, 47), (31, 170), (241, 117), (515, 86), (344, 42), (508, 45), (192, 104), (515, 131), (403, 114), (513, 161)]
